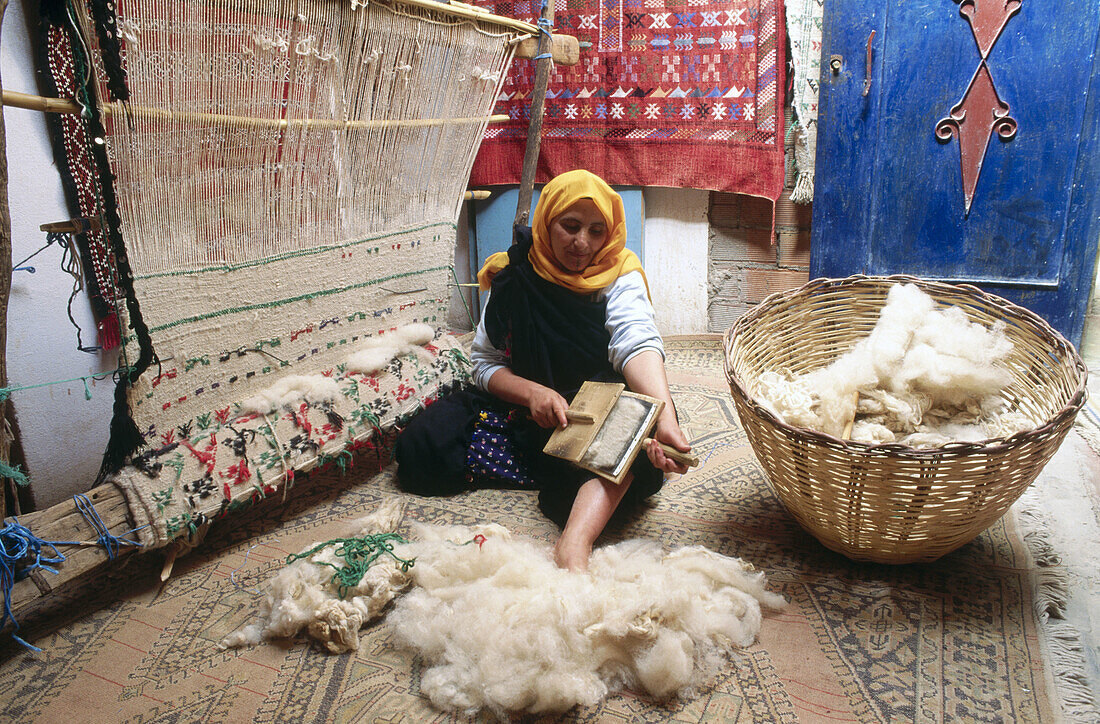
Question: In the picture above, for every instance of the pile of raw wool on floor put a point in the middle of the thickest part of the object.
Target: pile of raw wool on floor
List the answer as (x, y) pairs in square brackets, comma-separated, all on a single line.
[(924, 377), (305, 594), (500, 627)]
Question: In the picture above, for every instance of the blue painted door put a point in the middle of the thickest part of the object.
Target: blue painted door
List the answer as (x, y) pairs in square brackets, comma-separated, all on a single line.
[(493, 217), (971, 152)]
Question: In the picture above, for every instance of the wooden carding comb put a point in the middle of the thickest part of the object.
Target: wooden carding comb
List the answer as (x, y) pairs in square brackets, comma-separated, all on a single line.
[(621, 423)]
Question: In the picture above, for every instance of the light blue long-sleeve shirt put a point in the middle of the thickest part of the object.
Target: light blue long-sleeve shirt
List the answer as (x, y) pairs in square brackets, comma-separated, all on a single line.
[(630, 321)]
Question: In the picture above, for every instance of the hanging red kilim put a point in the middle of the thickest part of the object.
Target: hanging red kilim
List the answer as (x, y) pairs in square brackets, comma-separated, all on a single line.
[(683, 93)]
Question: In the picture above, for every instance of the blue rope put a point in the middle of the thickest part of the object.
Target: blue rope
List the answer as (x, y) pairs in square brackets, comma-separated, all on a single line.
[(110, 542), (544, 29), (18, 545), (22, 553)]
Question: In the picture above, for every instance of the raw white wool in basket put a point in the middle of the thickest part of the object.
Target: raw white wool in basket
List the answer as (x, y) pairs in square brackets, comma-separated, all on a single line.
[(500, 627), (924, 377)]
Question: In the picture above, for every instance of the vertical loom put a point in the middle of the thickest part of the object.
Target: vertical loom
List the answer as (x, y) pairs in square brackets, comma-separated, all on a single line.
[(287, 182)]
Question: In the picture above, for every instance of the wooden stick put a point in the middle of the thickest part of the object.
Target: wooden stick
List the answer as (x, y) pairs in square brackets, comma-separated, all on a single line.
[(534, 128), (462, 10), (585, 417), (79, 225), (5, 290), (477, 195), (683, 458), (60, 105), (564, 49), (851, 422)]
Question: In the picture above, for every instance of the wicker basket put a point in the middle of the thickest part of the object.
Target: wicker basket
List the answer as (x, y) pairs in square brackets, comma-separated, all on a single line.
[(893, 503)]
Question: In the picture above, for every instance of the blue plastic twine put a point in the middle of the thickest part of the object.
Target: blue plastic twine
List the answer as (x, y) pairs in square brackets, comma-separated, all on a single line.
[(110, 542), (18, 545)]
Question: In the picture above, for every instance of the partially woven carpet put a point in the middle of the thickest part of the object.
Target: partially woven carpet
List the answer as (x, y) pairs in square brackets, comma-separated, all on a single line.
[(955, 640), (666, 94)]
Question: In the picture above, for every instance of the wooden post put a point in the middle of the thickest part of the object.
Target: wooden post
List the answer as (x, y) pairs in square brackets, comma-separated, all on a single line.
[(534, 128), (5, 289)]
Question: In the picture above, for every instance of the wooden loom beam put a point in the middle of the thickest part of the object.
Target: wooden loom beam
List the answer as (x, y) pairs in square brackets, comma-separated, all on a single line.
[(65, 522), (61, 105)]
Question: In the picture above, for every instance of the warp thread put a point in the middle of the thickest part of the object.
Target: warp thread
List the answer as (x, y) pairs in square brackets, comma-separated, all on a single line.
[(359, 554)]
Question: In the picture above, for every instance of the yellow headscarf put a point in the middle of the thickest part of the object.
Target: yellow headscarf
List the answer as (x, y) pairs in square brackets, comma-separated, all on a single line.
[(609, 263)]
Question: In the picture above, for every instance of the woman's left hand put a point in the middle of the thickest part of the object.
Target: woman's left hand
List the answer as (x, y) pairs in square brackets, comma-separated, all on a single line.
[(668, 432)]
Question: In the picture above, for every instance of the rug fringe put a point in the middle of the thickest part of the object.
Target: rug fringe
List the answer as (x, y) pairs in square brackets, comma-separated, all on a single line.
[(1087, 425), (1068, 666)]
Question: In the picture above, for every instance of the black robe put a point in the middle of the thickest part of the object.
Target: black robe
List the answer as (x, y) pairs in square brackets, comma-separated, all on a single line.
[(552, 336)]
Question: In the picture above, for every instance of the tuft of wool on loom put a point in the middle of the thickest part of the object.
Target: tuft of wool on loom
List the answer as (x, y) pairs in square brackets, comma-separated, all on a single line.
[(288, 177), (924, 377), (501, 627), (244, 452)]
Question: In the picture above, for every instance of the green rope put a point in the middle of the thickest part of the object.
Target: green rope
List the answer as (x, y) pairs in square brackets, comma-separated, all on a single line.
[(359, 554), (462, 296), (5, 392), (15, 473)]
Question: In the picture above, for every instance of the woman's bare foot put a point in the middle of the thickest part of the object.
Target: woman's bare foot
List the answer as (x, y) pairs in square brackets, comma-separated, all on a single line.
[(572, 555), (595, 502)]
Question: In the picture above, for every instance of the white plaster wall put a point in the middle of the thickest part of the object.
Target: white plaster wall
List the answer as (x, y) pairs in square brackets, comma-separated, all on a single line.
[(674, 245), (62, 433)]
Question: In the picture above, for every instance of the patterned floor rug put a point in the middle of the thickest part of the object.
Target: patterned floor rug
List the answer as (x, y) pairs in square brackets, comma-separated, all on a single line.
[(954, 640)]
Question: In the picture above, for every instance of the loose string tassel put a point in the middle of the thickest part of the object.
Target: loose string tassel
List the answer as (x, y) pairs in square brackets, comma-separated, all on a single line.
[(110, 336), (21, 553)]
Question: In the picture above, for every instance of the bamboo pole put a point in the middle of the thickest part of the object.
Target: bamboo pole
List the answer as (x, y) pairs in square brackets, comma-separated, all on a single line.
[(470, 12), (61, 105)]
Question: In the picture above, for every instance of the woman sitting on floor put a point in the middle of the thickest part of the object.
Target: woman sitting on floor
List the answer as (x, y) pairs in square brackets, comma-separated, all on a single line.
[(568, 302)]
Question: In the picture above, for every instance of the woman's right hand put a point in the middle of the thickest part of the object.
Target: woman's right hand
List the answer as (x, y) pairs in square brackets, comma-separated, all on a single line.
[(547, 407)]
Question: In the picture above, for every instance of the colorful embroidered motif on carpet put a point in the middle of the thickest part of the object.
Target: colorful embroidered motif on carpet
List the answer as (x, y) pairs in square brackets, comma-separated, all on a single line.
[(667, 93), (288, 183)]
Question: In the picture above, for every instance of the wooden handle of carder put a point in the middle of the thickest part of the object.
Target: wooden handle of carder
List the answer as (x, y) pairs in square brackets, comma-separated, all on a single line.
[(574, 416), (683, 458)]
